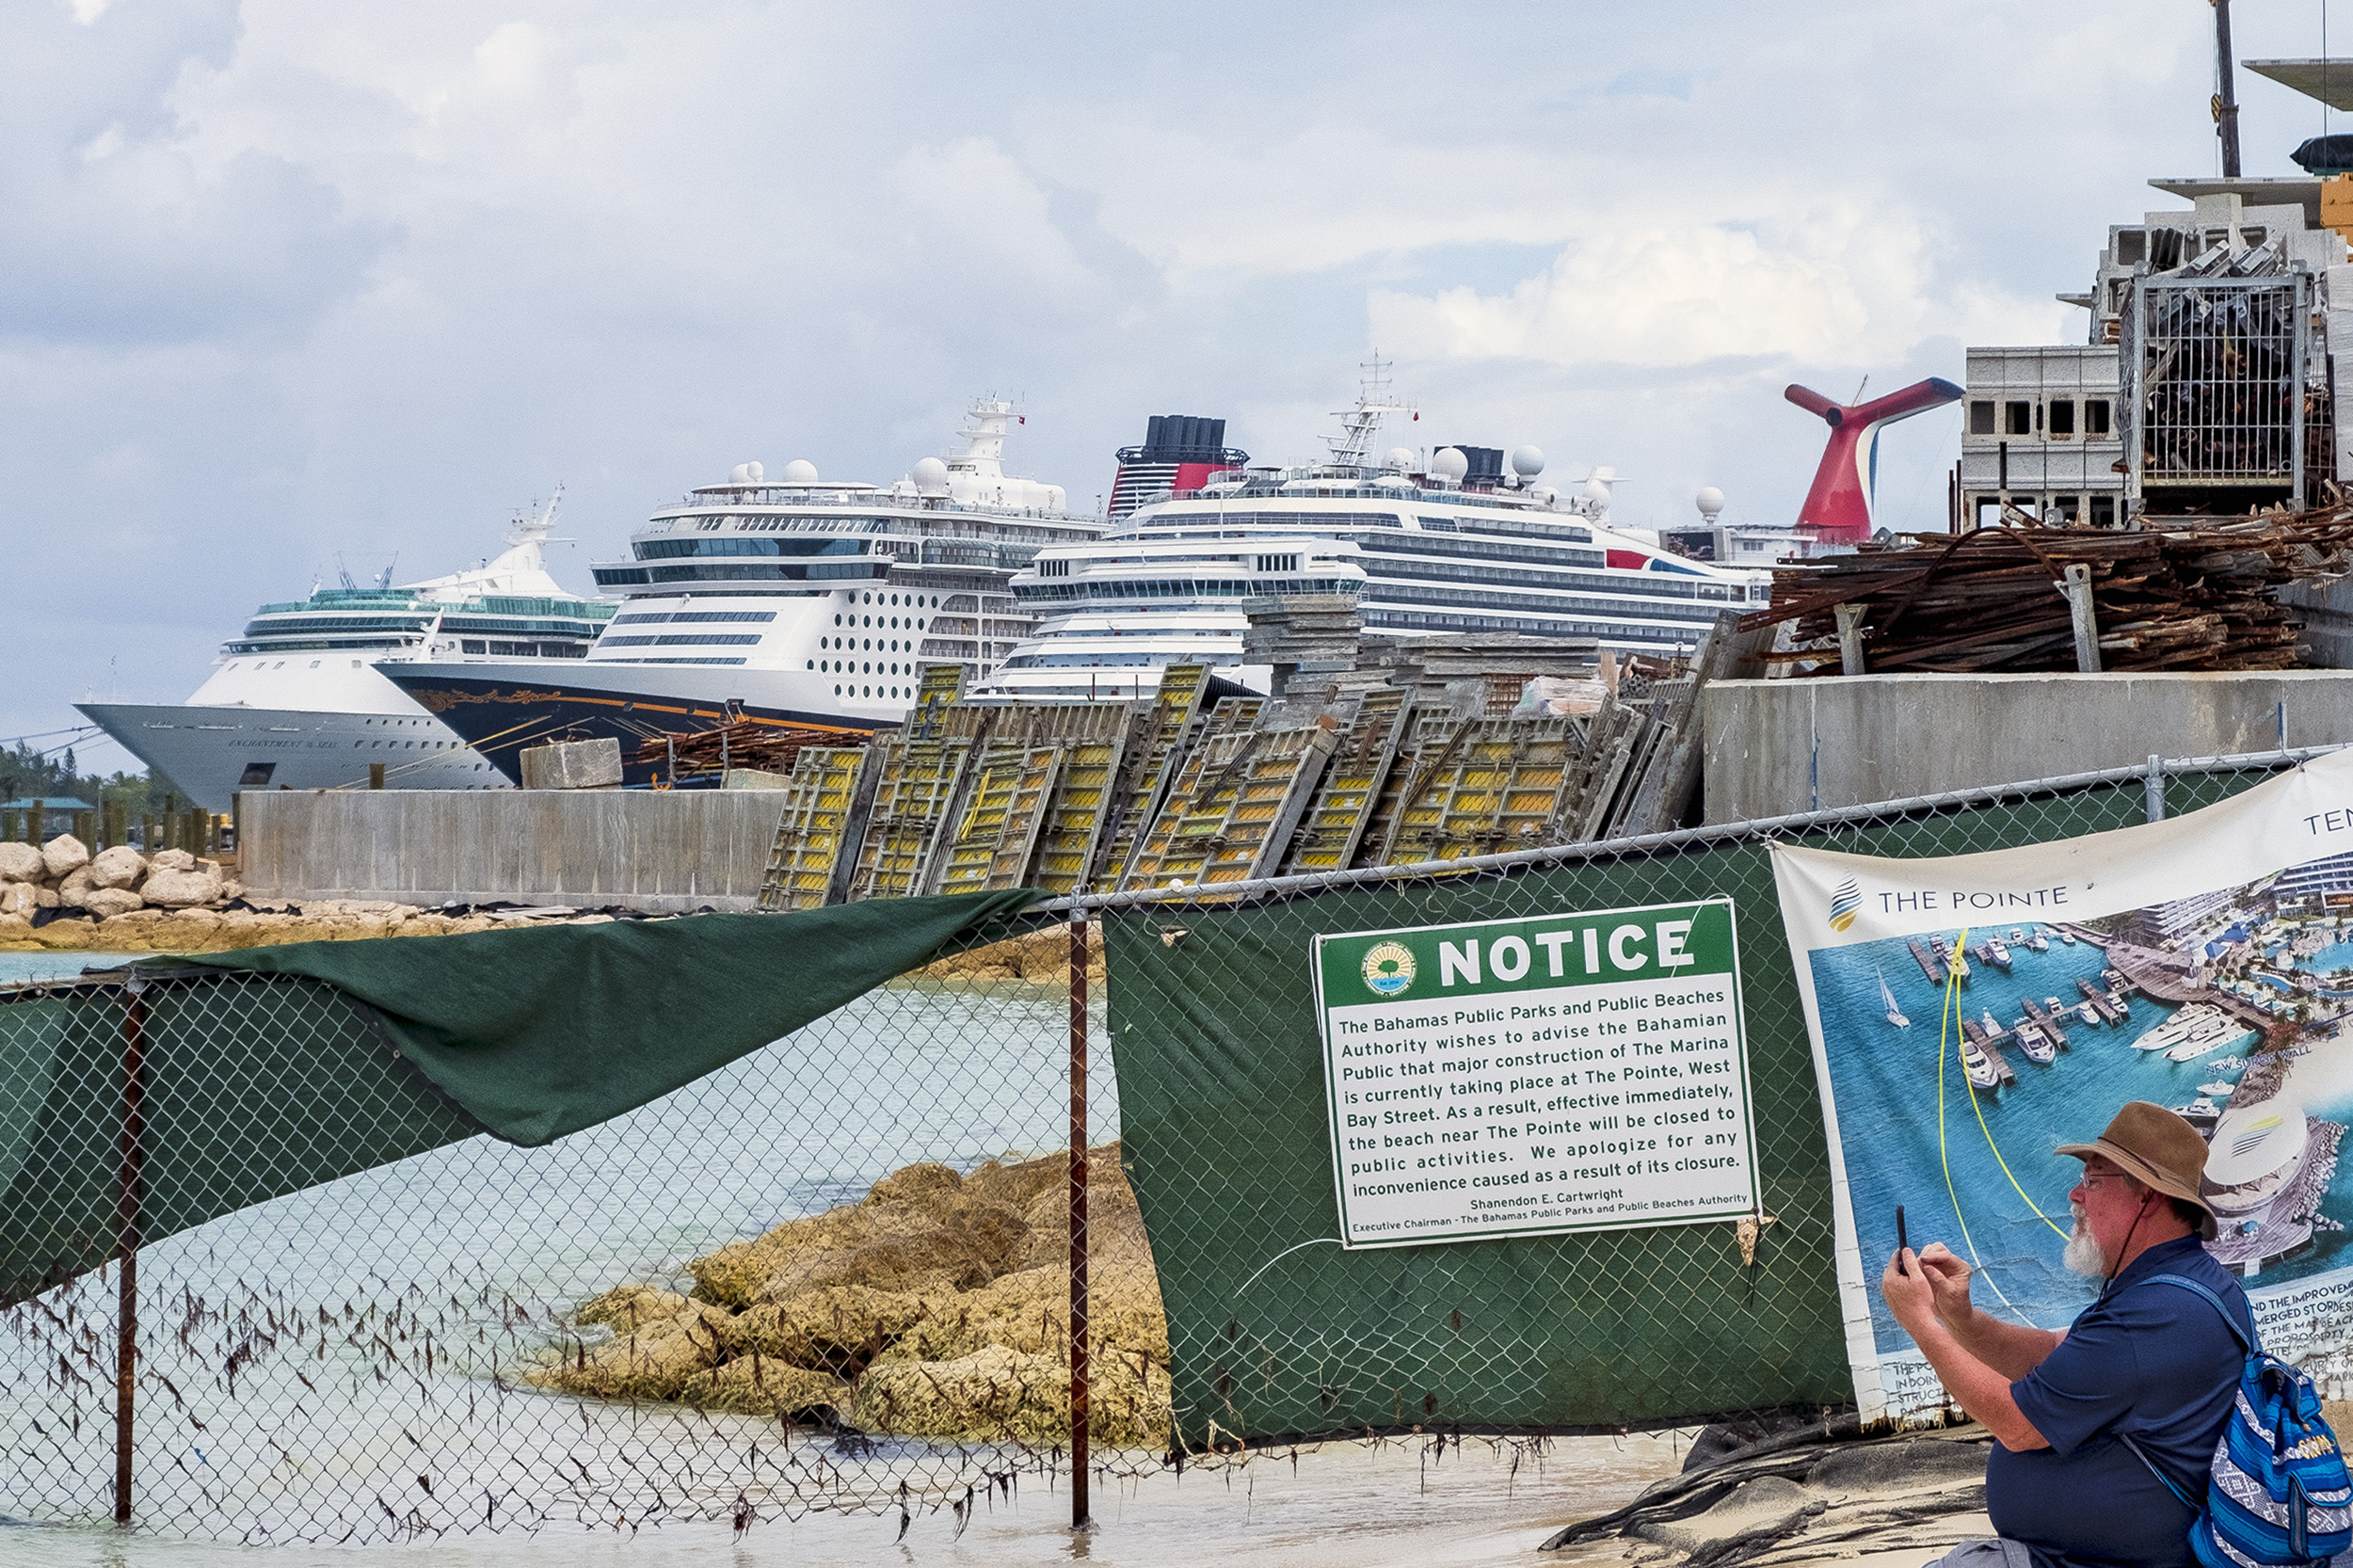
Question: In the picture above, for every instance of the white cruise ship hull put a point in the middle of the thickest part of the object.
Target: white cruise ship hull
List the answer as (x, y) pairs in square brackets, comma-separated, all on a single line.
[(211, 753)]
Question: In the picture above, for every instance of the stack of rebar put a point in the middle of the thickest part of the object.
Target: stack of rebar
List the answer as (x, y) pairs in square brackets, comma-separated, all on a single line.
[(706, 753), (2199, 596)]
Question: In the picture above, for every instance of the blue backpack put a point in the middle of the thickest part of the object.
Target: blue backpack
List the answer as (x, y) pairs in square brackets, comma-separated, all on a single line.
[(2277, 1493)]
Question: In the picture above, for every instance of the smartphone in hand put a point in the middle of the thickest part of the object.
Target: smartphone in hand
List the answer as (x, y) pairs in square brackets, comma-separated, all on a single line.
[(1901, 1244)]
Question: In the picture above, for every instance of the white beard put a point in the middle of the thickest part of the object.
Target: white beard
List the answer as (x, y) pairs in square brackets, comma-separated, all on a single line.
[(2083, 1255)]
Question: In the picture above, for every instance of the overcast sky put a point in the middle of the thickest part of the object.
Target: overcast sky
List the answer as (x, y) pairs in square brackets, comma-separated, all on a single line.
[(290, 283)]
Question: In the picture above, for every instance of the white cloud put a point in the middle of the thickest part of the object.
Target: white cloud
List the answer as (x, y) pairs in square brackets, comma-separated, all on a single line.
[(86, 13), (1838, 285)]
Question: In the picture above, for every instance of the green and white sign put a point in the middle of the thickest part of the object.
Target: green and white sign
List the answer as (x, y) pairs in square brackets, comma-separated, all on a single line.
[(1572, 1072)]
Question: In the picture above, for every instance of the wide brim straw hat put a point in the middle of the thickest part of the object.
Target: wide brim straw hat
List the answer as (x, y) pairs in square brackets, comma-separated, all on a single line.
[(2157, 1148)]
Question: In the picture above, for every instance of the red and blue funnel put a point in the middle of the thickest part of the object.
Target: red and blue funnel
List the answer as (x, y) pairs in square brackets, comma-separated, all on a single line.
[(1837, 509)]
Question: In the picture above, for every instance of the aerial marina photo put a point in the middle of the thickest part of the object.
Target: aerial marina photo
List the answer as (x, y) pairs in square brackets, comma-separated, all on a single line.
[(1570, 786)]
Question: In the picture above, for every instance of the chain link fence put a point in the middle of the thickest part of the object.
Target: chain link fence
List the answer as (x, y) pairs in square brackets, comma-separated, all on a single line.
[(837, 1272)]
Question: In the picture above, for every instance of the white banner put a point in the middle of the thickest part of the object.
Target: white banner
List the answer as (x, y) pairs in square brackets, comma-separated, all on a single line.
[(1970, 1013)]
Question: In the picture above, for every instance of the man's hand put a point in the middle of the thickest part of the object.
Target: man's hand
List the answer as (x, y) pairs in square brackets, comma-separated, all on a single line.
[(1948, 1283), (1909, 1294)]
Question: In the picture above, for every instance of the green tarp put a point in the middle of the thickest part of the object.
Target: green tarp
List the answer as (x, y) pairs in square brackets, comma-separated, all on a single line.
[(270, 1070), (542, 1033), (1276, 1330)]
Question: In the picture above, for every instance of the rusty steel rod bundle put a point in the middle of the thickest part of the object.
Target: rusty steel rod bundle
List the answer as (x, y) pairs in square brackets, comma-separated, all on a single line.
[(2196, 596)]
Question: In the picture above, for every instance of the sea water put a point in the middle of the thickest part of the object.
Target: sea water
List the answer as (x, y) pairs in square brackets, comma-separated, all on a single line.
[(285, 1389)]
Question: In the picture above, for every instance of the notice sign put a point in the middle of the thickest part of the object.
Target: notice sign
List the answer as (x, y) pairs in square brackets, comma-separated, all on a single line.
[(1518, 1077)]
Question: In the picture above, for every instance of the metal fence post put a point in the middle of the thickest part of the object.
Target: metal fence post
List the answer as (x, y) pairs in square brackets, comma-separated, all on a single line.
[(2153, 792), (1079, 1219), (127, 1201)]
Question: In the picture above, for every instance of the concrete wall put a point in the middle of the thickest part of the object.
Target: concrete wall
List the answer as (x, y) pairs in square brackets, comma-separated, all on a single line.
[(1882, 737), (653, 850)]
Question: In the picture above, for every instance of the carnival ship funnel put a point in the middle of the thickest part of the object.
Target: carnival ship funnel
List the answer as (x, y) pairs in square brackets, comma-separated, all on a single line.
[(1837, 509)]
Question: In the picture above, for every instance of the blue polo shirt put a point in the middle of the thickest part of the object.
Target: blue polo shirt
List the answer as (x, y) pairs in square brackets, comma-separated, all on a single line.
[(2153, 1361)]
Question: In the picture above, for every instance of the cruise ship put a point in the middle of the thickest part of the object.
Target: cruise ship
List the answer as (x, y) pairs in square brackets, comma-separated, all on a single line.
[(299, 700), (796, 602), (1462, 541)]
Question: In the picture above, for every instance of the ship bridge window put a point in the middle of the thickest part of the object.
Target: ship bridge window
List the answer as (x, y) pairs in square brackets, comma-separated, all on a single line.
[(1054, 568), (663, 549), (1278, 563)]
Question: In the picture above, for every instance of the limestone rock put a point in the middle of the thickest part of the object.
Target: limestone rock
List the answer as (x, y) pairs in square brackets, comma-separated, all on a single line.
[(20, 862), (652, 1361), (232, 889), (119, 867), (64, 853), (44, 898), (838, 1328), (171, 889), (15, 928), (628, 1306), (996, 1395), (76, 884), (105, 903), (758, 1385), (171, 860)]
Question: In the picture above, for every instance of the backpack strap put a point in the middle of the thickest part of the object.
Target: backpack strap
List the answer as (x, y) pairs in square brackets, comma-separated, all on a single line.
[(2246, 1336), (2179, 1495)]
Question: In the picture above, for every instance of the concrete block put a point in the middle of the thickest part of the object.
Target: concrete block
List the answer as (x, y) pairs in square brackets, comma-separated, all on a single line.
[(574, 765), (755, 778), (1780, 746)]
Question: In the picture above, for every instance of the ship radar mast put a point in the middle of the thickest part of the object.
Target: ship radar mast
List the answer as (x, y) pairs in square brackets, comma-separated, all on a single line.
[(982, 433), (1353, 446)]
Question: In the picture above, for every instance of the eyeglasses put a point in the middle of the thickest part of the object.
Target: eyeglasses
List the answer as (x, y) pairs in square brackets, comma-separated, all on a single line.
[(2095, 1180)]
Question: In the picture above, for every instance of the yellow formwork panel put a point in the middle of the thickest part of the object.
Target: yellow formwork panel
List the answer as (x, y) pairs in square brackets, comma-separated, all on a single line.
[(1138, 794), (1074, 820), (808, 842), (1343, 805), (1499, 784), (1000, 820), (1231, 808), (911, 799)]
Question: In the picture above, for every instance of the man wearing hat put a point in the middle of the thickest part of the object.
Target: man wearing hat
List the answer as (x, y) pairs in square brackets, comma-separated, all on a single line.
[(2141, 1381)]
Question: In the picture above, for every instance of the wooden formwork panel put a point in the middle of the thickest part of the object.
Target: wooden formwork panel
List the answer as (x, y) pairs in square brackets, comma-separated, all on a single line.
[(817, 809), (1343, 805), (1498, 785), (1001, 817), (912, 798), (1230, 808)]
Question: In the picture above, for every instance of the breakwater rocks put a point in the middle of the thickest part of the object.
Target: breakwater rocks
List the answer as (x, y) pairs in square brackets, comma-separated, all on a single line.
[(60, 897), (936, 1307)]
